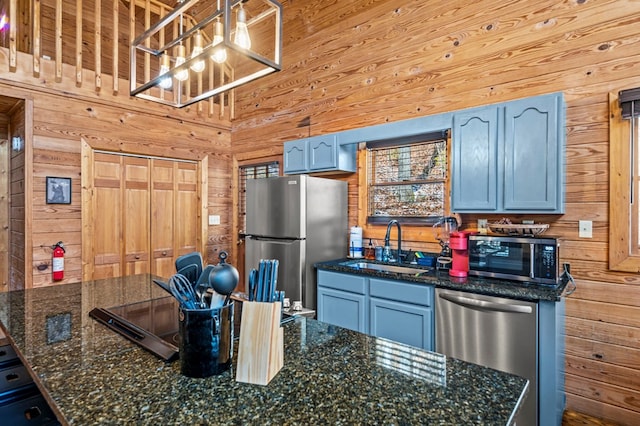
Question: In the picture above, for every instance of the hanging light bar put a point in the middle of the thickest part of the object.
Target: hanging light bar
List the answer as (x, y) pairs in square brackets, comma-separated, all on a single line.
[(224, 52)]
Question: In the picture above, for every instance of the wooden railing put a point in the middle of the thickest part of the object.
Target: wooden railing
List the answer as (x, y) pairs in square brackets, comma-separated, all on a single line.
[(30, 37)]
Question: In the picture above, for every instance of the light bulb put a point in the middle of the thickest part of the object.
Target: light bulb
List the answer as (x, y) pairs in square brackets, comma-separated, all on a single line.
[(181, 75), (220, 54), (165, 62), (197, 66), (242, 38)]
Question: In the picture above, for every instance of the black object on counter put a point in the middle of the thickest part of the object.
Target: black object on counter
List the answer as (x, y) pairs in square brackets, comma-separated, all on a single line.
[(206, 340)]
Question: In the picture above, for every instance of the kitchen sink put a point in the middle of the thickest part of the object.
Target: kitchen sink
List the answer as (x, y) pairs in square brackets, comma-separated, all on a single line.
[(380, 267)]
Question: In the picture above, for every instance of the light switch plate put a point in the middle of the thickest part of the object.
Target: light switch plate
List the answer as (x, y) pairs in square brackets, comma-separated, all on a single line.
[(586, 229), (214, 219)]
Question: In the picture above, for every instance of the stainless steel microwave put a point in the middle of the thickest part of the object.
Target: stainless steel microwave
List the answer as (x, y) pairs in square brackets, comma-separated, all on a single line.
[(515, 258)]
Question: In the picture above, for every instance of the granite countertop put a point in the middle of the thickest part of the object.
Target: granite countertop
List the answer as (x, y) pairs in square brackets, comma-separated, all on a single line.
[(91, 375), (493, 287)]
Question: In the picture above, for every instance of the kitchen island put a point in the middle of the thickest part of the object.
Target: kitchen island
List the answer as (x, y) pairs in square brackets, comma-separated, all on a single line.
[(91, 375)]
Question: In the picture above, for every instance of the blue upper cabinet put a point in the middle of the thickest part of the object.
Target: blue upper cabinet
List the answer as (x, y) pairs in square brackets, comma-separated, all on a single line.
[(533, 154), (508, 158), (319, 154), (295, 156), (475, 160)]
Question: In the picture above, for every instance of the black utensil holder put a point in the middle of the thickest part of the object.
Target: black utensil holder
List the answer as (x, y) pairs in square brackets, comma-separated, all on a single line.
[(206, 340)]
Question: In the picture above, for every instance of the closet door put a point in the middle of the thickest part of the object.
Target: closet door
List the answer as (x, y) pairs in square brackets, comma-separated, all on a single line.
[(186, 208), (144, 214), (136, 215), (107, 216), (163, 184)]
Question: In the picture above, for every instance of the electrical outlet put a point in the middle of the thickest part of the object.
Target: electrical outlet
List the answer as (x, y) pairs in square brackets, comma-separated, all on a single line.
[(214, 219), (586, 229)]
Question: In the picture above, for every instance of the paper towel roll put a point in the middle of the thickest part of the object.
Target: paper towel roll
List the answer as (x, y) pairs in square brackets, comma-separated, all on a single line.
[(355, 242)]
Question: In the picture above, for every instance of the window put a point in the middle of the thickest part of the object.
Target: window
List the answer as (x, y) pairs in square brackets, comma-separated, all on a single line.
[(624, 175), (253, 171), (408, 181)]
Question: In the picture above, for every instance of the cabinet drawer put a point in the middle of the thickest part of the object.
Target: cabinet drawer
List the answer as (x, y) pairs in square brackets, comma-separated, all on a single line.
[(417, 294), (14, 377), (7, 355), (33, 410), (343, 282)]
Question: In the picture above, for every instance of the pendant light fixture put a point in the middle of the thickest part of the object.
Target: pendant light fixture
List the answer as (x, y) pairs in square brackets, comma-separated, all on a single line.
[(222, 55), (198, 65), (183, 74), (165, 66), (242, 38)]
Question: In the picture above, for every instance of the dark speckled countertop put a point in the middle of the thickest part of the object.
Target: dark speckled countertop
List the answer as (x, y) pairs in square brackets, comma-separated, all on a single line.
[(331, 375), (492, 287)]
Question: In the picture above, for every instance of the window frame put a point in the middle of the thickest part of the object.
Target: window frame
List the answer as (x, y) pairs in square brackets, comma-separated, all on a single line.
[(434, 137), (622, 256)]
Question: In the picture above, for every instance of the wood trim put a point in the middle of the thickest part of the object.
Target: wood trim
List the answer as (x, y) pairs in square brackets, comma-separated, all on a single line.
[(114, 40), (28, 189), (87, 208), (98, 45), (620, 256), (37, 39), (203, 194), (79, 43), (13, 50), (58, 41), (5, 152)]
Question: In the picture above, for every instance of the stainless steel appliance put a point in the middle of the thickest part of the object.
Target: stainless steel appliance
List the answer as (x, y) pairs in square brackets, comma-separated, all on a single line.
[(494, 332), (299, 220), (515, 258)]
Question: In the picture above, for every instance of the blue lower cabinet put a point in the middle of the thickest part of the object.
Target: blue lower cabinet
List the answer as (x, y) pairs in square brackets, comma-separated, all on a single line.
[(401, 322), (396, 310), (341, 308)]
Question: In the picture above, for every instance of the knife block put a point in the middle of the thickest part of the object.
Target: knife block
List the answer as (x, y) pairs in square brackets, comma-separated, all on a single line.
[(261, 348)]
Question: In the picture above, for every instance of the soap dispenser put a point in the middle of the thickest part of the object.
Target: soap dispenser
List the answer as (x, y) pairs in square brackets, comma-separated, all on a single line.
[(370, 252)]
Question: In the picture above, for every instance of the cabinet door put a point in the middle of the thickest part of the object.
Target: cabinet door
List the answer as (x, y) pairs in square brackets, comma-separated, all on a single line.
[(342, 308), (401, 322), (323, 153), (106, 255), (475, 168), (532, 178), (295, 156), (136, 217)]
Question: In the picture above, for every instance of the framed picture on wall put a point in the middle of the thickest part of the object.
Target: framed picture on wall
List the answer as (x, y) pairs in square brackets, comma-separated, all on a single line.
[(58, 190)]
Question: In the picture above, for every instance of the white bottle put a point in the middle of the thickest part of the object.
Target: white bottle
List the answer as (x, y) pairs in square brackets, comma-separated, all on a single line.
[(355, 242)]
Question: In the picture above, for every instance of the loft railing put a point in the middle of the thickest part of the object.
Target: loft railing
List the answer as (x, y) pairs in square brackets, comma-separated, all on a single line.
[(89, 35)]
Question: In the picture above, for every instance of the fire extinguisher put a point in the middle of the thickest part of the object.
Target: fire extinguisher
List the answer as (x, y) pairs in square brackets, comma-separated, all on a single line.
[(58, 261)]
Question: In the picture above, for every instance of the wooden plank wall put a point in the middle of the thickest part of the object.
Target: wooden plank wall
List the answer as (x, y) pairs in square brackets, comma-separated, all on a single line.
[(360, 63), (62, 119)]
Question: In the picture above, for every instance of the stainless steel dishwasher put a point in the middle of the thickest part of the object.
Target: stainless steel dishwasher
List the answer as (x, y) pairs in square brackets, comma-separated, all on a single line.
[(494, 332)]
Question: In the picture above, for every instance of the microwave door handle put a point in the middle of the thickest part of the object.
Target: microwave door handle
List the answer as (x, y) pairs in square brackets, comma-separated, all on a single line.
[(532, 260), (486, 305)]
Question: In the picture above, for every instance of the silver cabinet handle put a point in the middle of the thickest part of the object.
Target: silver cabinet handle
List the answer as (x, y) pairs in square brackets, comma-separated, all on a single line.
[(485, 304)]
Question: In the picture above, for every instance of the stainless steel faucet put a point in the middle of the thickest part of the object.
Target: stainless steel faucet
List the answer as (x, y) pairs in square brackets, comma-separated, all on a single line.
[(386, 238)]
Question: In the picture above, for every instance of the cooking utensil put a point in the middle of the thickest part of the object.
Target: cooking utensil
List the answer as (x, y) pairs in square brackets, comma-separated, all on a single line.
[(183, 291), (224, 277), (193, 258), (253, 276), (274, 281), (267, 279)]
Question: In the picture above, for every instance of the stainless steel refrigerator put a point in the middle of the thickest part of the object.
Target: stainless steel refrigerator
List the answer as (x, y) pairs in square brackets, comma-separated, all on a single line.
[(299, 220)]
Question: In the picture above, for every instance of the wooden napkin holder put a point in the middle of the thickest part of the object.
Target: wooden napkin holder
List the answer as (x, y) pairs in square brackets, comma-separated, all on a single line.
[(261, 348)]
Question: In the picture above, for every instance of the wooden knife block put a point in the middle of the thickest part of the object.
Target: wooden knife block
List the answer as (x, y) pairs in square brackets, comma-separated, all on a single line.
[(261, 349)]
